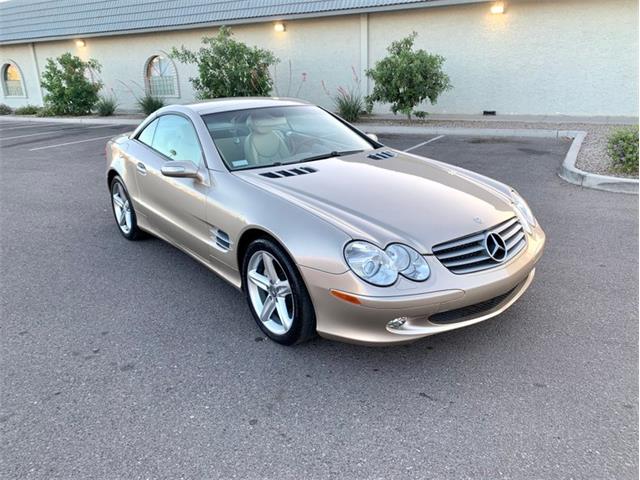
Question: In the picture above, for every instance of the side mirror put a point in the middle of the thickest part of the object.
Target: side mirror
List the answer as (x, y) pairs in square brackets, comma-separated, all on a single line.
[(180, 169), (373, 137)]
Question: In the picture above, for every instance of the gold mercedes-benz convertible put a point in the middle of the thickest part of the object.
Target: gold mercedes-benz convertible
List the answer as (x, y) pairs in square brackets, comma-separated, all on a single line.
[(323, 228)]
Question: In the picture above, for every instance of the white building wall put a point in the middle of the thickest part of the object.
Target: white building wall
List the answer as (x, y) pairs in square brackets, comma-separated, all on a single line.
[(572, 57)]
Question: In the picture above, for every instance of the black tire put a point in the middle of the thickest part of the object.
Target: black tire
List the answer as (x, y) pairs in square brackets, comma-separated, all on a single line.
[(134, 232), (303, 327)]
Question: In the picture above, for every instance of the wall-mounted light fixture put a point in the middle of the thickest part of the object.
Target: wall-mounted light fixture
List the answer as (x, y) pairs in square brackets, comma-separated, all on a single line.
[(280, 27), (81, 43), (497, 8)]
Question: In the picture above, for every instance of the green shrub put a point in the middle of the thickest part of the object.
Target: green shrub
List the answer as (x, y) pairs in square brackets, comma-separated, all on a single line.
[(28, 110), (406, 77), (622, 147), (45, 112), (106, 106), (149, 104), (420, 114), (5, 109), (69, 91), (228, 68)]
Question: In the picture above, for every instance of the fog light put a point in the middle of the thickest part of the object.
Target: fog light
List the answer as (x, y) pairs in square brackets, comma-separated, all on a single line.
[(397, 323)]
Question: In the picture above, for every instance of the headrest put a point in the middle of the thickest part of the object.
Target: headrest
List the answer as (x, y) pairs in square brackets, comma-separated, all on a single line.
[(263, 122)]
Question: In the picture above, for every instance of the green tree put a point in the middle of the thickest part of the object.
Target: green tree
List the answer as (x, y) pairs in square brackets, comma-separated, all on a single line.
[(69, 91), (406, 77), (228, 68)]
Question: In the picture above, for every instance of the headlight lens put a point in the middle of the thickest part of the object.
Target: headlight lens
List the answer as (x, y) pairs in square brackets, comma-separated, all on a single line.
[(370, 263), (382, 267), (523, 210), (418, 268)]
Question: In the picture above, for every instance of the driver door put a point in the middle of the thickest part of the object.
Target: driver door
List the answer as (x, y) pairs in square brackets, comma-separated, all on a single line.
[(175, 207)]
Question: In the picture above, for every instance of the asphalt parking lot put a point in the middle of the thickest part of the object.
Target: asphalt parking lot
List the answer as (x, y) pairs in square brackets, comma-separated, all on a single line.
[(130, 360)]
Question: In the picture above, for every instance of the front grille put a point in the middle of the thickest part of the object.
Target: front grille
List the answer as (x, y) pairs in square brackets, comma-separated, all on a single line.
[(468, 254), (463, 313)]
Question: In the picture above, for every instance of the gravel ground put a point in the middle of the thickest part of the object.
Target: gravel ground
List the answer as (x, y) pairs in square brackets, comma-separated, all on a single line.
[(592, 157)]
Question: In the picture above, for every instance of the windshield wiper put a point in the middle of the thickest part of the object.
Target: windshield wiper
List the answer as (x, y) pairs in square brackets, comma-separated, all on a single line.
[(322, 156)]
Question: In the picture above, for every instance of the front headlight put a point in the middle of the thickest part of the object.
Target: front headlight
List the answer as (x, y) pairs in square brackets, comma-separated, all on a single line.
[(382, 267), (523, 211)]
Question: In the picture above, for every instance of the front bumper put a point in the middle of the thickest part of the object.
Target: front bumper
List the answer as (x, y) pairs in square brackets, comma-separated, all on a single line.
[(416, 302)]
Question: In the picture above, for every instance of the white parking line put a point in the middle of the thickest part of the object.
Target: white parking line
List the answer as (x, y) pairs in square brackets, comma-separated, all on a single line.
[(35, 134), (2, 129), (104, 126), (424, 143), (70, 143)]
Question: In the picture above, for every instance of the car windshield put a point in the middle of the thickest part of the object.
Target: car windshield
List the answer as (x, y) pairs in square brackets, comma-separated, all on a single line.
[(264, 137)]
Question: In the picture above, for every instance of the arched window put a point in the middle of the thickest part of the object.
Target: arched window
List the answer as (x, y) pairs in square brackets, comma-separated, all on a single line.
[(12, 80), (160, 77)]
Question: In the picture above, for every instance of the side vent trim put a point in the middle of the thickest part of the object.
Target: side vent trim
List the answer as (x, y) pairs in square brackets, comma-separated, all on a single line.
[(222, 240)]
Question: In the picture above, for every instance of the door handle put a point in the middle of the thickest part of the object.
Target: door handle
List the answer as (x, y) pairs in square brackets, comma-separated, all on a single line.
[(142, 169)]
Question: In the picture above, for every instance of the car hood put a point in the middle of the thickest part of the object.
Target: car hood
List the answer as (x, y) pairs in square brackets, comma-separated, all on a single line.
[(404, 198)]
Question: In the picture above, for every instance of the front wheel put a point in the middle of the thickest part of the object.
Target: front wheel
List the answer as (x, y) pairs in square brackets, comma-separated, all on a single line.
[(276, 294)]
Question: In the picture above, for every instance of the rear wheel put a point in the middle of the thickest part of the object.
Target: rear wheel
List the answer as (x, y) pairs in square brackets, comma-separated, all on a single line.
[(123, 210), (276, 294)]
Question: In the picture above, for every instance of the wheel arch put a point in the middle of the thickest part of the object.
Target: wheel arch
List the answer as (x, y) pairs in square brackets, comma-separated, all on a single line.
[(251, 234), (110, 176)]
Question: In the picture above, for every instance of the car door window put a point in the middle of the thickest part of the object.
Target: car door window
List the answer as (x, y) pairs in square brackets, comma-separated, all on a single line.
[(176, 139), (146, 136)]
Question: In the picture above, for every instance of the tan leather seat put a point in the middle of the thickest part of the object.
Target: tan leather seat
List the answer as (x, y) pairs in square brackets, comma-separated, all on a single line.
[(265, 144)]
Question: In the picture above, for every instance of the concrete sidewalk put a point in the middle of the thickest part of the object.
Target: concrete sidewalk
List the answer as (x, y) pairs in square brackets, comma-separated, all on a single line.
[(550, 119)]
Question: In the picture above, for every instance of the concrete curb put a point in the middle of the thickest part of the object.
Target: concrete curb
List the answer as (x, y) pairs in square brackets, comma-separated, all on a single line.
[(80, 120), (567, 171)]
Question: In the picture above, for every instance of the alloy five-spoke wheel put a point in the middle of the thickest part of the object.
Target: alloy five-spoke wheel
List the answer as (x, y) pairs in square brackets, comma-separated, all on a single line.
[(276, 293), (270, 292), (121, 207), (123, 210)]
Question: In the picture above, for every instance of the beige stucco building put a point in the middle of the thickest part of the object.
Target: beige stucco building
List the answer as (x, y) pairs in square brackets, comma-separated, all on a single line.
[(562, 57)]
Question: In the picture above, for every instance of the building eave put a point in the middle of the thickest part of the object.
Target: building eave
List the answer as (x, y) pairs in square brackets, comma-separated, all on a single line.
[(245, 21)]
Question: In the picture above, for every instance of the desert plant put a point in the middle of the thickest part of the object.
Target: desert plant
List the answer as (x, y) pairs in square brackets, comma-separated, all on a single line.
[(149, 104), (290, 85), (106, 106), (5, 109), (28, 110), (406, 77), (622, 147), (348, 101), (228, 68), (349, 104), (69, 91)]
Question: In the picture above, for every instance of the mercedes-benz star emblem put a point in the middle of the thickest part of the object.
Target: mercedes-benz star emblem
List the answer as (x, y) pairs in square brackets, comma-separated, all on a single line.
[(495, 247)]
